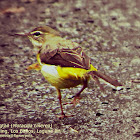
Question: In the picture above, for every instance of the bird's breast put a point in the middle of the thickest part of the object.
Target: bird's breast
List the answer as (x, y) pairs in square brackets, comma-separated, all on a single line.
[(63, 77)]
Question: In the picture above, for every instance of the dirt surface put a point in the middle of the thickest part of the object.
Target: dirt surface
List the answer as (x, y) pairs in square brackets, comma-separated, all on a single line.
[(108, 30)]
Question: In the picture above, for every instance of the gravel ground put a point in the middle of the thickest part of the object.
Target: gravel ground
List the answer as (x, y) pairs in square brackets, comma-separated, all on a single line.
[(108, 30)]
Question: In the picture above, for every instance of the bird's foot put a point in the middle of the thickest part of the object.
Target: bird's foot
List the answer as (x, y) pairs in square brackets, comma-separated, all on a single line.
[(62, 116), (75, 101), (35, 66)]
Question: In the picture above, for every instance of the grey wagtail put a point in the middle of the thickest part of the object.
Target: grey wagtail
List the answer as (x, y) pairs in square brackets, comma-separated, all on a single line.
[(63, 63)]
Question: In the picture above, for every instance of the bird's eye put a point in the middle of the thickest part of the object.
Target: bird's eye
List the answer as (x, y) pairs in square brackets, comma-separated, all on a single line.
[(37, 34)]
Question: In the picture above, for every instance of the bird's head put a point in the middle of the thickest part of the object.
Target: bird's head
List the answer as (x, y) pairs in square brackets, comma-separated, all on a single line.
[(39, 35)]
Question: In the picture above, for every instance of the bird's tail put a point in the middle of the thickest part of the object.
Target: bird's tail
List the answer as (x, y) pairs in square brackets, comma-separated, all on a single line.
[(96, 75)]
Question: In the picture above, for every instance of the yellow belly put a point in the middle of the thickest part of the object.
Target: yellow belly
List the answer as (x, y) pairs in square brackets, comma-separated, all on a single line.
[(65, 77)]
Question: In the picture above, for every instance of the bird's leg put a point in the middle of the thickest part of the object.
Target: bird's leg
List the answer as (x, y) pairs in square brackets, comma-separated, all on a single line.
[(60, 102), (62, 113), (77, 95)]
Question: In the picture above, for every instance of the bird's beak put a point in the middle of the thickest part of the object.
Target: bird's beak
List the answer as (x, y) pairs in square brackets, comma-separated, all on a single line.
[(21, 34)]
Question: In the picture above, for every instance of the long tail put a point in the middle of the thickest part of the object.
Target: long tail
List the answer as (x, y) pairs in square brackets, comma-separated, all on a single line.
[(114, 83)]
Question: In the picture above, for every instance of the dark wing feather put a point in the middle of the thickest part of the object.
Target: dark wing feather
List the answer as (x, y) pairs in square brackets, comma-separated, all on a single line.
[(66, 58)]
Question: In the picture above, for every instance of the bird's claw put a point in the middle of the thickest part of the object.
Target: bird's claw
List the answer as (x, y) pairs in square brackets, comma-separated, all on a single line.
[(62, 116), (75, 101)]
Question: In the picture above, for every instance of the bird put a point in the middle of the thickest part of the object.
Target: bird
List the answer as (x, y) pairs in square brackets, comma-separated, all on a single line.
[(64, 64)]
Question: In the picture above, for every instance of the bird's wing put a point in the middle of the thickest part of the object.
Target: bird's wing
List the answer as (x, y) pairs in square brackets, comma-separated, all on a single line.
[(66, 57)]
